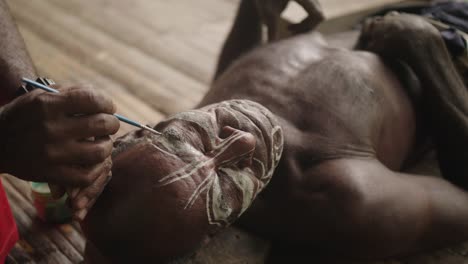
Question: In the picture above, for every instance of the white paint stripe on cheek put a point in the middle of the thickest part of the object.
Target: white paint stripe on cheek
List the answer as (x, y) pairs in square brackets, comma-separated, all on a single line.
[(220, 208), (185, 175), (237, 157), (244, 183), (163, 151), (182, 174), (183, 169), (209, 205), (200, 188)]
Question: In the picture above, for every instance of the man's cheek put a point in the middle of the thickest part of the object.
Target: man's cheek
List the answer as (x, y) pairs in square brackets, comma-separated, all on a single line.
[(232, 192)]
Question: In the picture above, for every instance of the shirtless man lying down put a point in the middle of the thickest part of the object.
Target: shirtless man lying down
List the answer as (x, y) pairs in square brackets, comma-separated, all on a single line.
[(328, 129)]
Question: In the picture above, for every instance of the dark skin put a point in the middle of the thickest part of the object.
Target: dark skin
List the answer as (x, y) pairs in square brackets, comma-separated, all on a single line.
[(45, 137), (349, 128)]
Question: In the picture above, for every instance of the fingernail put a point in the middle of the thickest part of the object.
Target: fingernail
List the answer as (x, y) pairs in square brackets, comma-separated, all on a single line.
[(82, 202), (74, 192), (81, 214), (109, 177)]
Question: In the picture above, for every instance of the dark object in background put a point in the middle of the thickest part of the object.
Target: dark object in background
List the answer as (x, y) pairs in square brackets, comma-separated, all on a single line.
[(454, 14), (454, 41), (451, 13)]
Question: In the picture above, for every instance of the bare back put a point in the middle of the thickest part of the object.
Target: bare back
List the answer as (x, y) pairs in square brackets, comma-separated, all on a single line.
[(333, 103)]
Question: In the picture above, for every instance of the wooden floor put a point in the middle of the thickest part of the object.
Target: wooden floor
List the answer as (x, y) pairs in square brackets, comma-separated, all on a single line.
[(154, 57)]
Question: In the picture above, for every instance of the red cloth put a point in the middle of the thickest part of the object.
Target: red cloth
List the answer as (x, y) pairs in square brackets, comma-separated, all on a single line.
[(8, 231)]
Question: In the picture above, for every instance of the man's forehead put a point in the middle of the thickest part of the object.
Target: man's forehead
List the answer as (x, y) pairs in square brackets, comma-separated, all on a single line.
[(203, 121), (195, 116)]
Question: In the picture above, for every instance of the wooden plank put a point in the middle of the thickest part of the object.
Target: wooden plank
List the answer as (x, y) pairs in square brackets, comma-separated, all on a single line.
[(135, 33), (57, 63), (179, 16), (18, 255), (149, 79), (34, 235)]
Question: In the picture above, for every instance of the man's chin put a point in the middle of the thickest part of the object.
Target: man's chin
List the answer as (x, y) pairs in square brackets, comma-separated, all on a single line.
[(134, 219)]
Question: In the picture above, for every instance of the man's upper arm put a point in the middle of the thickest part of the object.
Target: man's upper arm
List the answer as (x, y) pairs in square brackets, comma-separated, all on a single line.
[(14, 59), (384, 213)]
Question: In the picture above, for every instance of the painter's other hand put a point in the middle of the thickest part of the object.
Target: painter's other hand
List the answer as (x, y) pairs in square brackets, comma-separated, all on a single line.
[(62, 138)]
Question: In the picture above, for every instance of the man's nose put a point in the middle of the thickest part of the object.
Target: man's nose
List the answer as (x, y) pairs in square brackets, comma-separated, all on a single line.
[(236, 147)]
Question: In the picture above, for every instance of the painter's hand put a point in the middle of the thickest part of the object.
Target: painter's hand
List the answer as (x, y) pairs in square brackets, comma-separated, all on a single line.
[(60, 138)]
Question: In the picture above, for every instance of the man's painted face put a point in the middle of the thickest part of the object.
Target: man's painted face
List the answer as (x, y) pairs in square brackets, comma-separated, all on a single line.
[(221, 155)]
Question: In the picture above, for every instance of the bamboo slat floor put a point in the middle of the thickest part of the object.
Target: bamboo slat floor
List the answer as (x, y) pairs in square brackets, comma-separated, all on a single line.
[(155, 58)]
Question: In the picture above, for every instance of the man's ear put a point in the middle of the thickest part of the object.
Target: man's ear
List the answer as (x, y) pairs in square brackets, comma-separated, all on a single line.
[(277, 146)]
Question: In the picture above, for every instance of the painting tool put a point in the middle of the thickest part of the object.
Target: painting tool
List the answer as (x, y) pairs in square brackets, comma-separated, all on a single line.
[(120, 117)]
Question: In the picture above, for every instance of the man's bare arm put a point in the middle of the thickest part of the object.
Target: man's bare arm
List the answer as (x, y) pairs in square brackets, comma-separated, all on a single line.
[(399, 214), (14, 58), (358, 208)]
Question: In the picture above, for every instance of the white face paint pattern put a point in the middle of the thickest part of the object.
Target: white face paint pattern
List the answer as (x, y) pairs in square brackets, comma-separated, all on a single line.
[(218, 208)]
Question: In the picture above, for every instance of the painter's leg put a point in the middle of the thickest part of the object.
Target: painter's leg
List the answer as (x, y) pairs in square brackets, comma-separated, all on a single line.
[(277, 28), (444, 97), (246, 34), (314, 17)]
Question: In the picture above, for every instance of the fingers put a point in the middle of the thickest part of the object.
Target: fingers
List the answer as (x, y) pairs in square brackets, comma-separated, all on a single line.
[(86, 197), (76, 100), (81, 153), (48, 130), (70, 102), (72, 192), (83, 126), (79, 176), (93, 125), (87, 101)]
